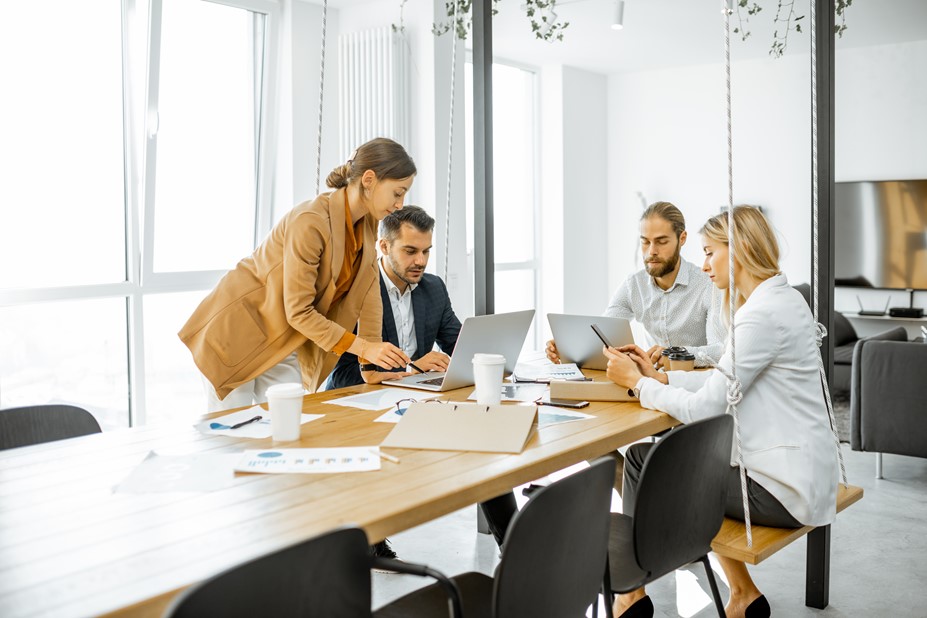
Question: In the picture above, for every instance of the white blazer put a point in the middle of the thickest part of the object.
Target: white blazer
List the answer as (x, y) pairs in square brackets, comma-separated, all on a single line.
[(788, 445)]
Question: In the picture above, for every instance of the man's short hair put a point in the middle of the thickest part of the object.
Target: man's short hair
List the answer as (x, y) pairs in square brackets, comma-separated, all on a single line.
[(413, 215), (669, 212)]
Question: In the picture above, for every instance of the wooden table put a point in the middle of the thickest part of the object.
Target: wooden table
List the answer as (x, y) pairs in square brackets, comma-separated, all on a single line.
[(69, 546)]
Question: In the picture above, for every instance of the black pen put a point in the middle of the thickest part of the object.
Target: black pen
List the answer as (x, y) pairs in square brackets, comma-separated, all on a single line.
[(243, 423), (412, 365)]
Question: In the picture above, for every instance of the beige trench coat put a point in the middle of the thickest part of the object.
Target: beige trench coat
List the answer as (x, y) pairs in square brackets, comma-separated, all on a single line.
[(279, 299)]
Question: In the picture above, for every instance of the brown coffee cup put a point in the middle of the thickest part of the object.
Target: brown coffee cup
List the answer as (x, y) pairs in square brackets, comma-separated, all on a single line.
[(667, 353), (682, 361)]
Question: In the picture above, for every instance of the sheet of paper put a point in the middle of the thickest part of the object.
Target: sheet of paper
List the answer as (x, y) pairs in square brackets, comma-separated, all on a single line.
[(518, 392), (310, 460), (222, 425), (380, 399), (548, 415), (547, 372), (169, 473)]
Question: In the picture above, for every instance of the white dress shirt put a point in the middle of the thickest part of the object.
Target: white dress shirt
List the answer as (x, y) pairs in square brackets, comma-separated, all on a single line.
[(403, 316), (788, 445), (688, 314)]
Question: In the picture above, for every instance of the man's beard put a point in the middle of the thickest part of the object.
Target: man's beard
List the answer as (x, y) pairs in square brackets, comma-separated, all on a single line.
[(403, 274), (663, 267)]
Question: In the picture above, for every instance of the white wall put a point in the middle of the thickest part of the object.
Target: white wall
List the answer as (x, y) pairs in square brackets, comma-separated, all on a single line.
[(585, 197), (667, 140), (881, 133)]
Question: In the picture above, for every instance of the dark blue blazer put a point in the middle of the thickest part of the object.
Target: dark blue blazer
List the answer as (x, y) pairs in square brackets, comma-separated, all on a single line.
[(435, 321)]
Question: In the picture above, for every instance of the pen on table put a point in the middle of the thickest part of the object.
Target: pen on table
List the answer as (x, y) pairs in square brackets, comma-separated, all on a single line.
[(418, 369), (247, 422), (383, 455)]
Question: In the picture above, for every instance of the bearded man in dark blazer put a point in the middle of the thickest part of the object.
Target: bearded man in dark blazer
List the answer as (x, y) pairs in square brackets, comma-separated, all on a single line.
[(417, 313), (417, 310)]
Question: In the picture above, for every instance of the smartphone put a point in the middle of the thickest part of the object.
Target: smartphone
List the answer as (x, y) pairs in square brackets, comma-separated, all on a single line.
[(598, 331), (564, 403)]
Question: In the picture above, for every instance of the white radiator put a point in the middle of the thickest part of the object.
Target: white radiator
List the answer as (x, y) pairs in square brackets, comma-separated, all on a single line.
[(373, 71)]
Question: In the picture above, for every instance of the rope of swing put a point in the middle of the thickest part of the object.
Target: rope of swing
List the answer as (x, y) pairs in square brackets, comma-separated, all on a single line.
[(734, 394), (820, 329), (450, 142), (318, 144)]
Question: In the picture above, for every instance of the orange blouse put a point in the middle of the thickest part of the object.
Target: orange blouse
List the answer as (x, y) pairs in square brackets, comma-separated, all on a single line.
[(353, 246)]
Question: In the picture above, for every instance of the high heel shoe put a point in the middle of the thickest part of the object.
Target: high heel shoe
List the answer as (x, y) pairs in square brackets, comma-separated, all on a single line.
[(641, 608), (759, 608)]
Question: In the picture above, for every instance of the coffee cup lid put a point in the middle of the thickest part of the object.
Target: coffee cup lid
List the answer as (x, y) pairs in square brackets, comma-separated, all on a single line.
[(682, 356), (289, 389), (488, 359)]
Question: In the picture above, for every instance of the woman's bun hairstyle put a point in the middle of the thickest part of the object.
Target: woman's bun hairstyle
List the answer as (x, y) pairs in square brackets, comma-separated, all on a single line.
[(338, 177)]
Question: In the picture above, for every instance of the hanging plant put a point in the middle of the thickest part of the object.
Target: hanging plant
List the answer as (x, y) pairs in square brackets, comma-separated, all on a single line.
[(786, 20), (464, 21), (545, 24)]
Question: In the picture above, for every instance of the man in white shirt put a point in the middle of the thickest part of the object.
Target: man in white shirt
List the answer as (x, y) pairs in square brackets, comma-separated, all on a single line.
[(672, 298)]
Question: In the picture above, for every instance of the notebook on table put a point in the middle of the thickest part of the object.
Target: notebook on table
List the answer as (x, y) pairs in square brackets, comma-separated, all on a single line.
[(500, 333), (577, 342)]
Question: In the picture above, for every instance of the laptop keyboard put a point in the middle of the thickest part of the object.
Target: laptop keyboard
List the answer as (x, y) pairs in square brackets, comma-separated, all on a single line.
[(433, 381)]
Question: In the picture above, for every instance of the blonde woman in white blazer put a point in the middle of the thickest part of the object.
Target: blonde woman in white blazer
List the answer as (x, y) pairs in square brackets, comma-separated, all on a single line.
[(788, 445)]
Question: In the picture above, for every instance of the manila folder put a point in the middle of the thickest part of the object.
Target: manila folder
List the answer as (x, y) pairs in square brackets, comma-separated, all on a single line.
[(464, 427)]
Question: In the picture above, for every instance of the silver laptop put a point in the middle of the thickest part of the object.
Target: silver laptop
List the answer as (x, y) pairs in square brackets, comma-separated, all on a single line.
[(501, 333), (578, 343)]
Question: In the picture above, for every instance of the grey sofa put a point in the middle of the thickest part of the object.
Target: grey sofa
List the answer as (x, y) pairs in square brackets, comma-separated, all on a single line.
[(888, 399)]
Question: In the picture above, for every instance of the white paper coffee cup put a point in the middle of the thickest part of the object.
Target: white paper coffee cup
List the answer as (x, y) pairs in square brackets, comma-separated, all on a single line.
[(487, 377), (285, 402)]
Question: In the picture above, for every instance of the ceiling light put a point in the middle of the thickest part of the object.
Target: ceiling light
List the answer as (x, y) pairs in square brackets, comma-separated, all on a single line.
[(618, 21)]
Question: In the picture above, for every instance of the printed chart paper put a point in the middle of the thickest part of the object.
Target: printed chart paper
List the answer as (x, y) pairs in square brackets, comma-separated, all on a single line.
[(310, 460)]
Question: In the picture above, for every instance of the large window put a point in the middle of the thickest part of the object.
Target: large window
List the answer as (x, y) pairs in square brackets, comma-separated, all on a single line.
[(515, 203), (131, 178)]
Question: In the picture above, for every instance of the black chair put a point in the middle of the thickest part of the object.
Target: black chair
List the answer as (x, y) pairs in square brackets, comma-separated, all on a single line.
[(552, 559), (325, 577), (679, 507), (44, 423)]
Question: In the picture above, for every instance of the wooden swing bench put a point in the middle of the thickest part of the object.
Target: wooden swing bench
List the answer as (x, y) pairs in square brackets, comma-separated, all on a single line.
[(731, 542)]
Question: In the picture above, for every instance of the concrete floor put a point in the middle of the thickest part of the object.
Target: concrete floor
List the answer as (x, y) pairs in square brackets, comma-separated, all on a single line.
[(878, 553)]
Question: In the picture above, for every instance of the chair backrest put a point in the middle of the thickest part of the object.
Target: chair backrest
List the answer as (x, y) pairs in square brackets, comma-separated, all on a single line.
[(324, 577), (844, 332), (681, 494), (44, 423), (556, 547)]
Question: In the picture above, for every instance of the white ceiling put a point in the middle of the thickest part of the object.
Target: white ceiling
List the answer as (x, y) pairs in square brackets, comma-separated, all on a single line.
[(666, 33)]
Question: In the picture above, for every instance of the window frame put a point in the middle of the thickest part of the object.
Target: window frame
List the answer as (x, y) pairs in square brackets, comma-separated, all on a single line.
[(139, 154)]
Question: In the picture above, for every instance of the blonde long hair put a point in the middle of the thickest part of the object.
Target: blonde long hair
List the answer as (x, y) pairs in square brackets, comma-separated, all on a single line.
[(756, 249)]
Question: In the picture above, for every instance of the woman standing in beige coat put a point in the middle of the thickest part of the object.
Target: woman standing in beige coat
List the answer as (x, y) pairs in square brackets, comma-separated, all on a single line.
[(286, 312)]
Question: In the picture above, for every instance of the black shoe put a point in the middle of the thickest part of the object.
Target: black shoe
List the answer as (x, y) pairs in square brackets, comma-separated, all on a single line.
[(383, 550), (758, 609), (641, 608)]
